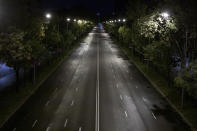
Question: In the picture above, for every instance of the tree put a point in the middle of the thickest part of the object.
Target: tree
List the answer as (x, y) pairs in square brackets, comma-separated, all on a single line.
[(14, 51)]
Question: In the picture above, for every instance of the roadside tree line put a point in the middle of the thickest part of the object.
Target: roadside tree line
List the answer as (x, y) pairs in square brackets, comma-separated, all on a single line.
[(164, 36), (31, 41)]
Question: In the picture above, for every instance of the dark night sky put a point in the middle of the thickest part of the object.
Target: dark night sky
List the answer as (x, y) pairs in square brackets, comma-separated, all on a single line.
[(105, 7)]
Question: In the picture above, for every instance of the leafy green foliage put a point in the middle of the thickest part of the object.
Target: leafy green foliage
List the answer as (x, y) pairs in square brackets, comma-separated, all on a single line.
[(13, 50)]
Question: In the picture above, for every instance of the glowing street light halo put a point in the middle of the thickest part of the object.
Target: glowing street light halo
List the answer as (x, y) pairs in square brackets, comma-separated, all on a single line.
[(68, 19), (48, 16), (165, 14)]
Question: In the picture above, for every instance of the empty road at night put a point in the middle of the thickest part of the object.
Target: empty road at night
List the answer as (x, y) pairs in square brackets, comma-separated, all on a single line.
[(96, 89)]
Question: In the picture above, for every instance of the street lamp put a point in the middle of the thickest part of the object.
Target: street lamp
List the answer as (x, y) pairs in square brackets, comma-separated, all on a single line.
[(68, 19), (165, 14), (48, 16)]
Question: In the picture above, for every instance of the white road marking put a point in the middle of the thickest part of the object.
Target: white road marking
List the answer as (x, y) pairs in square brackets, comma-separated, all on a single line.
[(72, 103), (47, 103), (144, 99), (14, 129), (117, 85), (121, 97), (136, 86), (154, 116), (97, 92), (80, 128), (48, 128), (77, 89), (34, 123), (126, 113), (65, 124)]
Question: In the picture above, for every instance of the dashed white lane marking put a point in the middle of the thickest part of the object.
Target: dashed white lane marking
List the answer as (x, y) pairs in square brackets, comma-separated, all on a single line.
[(65, 124), (80, 128), (136, 86), (76, 89), (144, 99), (48, 128), (121, 97), (117, 86), (14, 129), (47, 103), (34, 123), (72, 103), (125, 112), (154, 116)]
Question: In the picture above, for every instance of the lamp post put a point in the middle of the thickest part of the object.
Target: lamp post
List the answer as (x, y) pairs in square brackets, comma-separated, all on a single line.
[(48, 16), (165, 15), (68, 20)]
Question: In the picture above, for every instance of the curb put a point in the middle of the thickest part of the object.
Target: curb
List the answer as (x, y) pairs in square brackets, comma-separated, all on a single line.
[(38, 85), (158, 90)]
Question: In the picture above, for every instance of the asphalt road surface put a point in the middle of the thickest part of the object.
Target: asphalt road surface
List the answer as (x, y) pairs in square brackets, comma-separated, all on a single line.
[(96, 89)]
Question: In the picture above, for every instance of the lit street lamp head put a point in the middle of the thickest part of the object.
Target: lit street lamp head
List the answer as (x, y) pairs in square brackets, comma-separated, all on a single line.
[(165, 14), (48, 16), (68, 19)]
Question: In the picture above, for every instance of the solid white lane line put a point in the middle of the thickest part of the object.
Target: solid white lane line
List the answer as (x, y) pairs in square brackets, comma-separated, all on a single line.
[(34, 123), (72, 103), (154, 116), (14, 129), (48, 128), (121, 97), (126, 113), (65, 124), (80, 128), (97, 92), (47, 103)]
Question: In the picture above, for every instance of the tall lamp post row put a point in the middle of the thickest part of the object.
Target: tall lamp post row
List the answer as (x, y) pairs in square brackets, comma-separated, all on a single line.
[(116, 21)]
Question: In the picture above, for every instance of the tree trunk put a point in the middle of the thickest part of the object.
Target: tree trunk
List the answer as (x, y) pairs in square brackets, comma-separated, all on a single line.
[(34, 74)]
